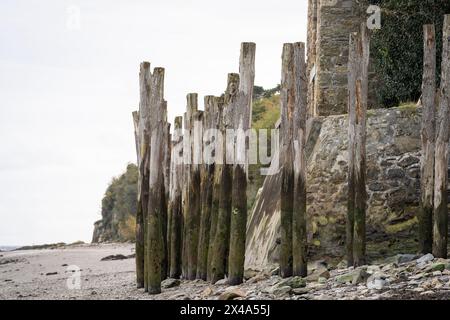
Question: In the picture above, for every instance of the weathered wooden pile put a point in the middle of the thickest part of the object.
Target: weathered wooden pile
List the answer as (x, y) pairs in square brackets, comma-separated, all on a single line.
[(192, 203), (433, 220)]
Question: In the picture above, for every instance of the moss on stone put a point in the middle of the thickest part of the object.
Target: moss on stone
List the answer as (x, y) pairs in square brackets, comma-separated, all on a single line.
[(401, 226)]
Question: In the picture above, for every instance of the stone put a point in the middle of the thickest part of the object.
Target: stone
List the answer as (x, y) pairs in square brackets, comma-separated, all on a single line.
[(207, 292), (425, 258), (51, 273), (438, 267), (404, 258), (232, 294), (395, 173), (322, 280), (170, 283), (354, 277), (377, 186), (293, 282), (417, 276), (408, 160), (257, 278), (281, 290), (425, 293), (342, 264), (319, 273), (250, 273), (300, 291), (115, 257), (275, 272), (221, 282), (377, 281)]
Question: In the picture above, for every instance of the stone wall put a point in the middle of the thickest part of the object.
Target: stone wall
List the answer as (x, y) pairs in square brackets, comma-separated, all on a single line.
[(393, 153), (330, 23)]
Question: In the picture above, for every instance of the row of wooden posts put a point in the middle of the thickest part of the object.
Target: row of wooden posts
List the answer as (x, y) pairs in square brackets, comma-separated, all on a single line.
[(191, 219), (192, 216)]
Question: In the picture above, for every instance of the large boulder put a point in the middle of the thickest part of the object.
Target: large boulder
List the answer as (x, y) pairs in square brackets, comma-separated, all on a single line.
[(393, 186)]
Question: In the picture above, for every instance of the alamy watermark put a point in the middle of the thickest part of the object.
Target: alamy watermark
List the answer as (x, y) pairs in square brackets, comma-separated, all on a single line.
[(232, 146), (74, 280), (73, 18), (374, 12)]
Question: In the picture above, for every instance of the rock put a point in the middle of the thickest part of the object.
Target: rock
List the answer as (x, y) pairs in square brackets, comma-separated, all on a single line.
[(432, 284), (250, 273), (281, 290), (64, 265), (377, 281), (342, 264), (417, 276), (321, 272), (232, 294), (395, 173), (275, 272), (344, 278), (115, 257), (408, 160), (322, 280), (207, 292), (404, 258), (51, 273), (257, 278), (425, 293), (170, 283), (293, 282), (438, 267), (221, 282), (354, 277), (425, 259), (300, 291)]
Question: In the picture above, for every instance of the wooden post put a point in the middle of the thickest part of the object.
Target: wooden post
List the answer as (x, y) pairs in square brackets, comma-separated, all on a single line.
[(358, 88), (165, 198), (144, 163), (242, 117), (140, 236), (193, 184), (287, 96), (222, 236), (217, 112), (156, 181), (206, 191), (427, 134), (184, 195), (299, 236), (440, 221), (176, 174)]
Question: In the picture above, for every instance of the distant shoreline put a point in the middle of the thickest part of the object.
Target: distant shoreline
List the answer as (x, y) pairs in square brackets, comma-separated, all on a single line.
[(40, 246), (8, 248)]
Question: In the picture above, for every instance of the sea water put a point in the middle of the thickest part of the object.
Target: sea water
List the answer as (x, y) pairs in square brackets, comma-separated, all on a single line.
[(8, 248)]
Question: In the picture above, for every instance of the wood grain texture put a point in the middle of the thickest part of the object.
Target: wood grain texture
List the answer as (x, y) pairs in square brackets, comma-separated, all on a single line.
[(440, 214), (427, 134)]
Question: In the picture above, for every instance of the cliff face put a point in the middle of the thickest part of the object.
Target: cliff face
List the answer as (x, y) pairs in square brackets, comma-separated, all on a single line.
[(118, 209), (393, 185)]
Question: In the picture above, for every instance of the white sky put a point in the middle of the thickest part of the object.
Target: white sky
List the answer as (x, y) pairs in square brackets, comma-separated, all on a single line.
[(66, 94)]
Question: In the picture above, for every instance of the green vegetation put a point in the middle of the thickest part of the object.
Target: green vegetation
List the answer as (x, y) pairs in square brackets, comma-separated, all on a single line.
[(265, 113), (119, 209), (397, 48)]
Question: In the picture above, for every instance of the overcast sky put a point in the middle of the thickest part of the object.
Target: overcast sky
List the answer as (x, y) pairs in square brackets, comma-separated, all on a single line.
[(67, 90)]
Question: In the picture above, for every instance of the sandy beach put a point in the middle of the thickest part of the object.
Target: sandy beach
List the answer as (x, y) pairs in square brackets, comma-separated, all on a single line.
[(78, 272), (44, 274)]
